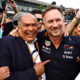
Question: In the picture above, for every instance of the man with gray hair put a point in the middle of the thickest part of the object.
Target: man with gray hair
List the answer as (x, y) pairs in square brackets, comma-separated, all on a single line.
[(18, 53)]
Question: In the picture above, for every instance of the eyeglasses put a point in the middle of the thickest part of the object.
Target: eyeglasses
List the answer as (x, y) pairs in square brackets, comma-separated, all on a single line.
[(39, 19)]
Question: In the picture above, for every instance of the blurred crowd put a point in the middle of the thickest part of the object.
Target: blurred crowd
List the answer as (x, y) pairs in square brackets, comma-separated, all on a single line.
[(8, 24)]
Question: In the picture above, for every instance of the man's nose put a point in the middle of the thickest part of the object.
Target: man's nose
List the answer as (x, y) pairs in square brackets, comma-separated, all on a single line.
[(55, 24), (30, 28)]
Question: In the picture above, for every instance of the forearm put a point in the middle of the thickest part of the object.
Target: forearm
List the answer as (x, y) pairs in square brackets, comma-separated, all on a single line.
[(4, 72), (15, 10), (4, 18), (71, 26), (12, 3)]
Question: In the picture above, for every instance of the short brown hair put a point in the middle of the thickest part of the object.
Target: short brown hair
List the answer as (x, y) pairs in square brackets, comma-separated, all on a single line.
[(50, 7)]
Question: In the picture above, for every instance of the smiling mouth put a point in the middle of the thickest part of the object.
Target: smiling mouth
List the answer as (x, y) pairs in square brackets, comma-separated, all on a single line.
[(55, 30), (30, 34)]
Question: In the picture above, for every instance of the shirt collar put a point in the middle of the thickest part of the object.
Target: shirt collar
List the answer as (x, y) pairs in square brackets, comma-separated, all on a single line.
[(32, 41)]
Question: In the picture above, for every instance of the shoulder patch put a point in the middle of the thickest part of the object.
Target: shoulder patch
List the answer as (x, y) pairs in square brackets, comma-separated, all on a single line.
[(45, 34)]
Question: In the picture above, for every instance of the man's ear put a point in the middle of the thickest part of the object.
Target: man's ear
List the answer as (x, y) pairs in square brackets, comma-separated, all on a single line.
[(18, 27)]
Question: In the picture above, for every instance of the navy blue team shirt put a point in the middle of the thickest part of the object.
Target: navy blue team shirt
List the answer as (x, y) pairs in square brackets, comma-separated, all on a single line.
[(63, 65)]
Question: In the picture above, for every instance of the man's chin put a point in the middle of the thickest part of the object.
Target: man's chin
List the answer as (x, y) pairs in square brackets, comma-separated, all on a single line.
[(30, 40), (55, 34)]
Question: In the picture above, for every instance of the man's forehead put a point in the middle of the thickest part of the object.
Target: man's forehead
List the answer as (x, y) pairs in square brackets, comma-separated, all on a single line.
[(27, 15), (28, 20), (53, 11)]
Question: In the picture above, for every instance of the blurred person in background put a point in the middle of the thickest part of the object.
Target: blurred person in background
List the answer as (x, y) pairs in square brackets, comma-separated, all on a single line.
[(38, 14), (12, 3), (1, 27), (12, 25), (70, 28), (3, 15), (76, 30), (7, 27)]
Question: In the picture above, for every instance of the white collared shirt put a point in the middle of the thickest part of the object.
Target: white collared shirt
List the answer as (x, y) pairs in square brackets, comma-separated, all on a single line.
[(32, 48)]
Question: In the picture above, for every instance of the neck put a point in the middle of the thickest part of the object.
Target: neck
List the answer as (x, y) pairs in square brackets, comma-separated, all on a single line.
[(56, 40)]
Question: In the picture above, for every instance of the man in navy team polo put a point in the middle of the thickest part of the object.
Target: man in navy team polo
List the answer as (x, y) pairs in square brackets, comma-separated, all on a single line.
[(62, 51)]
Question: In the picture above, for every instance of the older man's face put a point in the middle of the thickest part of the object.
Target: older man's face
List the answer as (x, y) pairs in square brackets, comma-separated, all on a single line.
[(28, 28)]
